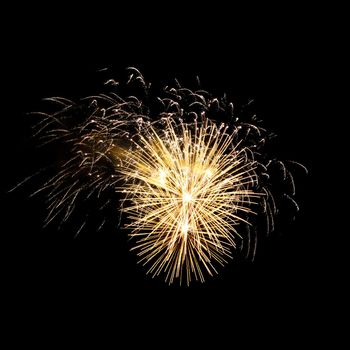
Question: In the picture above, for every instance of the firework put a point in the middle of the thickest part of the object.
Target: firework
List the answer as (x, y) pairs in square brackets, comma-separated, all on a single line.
[(190, 189), (187, 186)]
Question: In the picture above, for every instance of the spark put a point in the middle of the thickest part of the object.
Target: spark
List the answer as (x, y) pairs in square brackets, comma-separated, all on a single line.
[(193, 181), (186, 218)]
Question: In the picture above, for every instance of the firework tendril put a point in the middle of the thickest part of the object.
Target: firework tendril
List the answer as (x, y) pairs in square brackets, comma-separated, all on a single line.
[(191, 180)]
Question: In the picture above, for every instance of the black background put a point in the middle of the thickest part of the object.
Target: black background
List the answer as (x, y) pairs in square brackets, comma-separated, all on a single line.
[(274, 60)]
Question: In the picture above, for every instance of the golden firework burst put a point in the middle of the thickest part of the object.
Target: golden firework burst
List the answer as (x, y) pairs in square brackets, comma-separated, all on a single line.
[(188, 187)]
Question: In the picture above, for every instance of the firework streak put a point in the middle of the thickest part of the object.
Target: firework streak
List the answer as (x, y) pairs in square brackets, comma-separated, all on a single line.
[(191, 189)]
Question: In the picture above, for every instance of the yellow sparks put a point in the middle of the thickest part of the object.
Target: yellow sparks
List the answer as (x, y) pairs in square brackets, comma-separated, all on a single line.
[(188, 188)]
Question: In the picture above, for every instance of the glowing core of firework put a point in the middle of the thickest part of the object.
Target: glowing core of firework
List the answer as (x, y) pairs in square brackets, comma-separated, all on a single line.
[(187, 188)]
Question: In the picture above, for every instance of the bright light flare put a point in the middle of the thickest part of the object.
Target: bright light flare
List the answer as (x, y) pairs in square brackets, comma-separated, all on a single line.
[(188, 188)]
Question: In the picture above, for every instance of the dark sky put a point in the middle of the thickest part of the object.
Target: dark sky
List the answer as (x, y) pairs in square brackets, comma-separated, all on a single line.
[(273, 61)]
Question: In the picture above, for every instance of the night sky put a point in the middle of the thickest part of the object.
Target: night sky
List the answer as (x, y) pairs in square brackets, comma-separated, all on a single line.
[(271, 63)]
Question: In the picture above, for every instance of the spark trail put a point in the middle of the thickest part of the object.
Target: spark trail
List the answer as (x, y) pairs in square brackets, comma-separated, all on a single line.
[(192, 180)]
